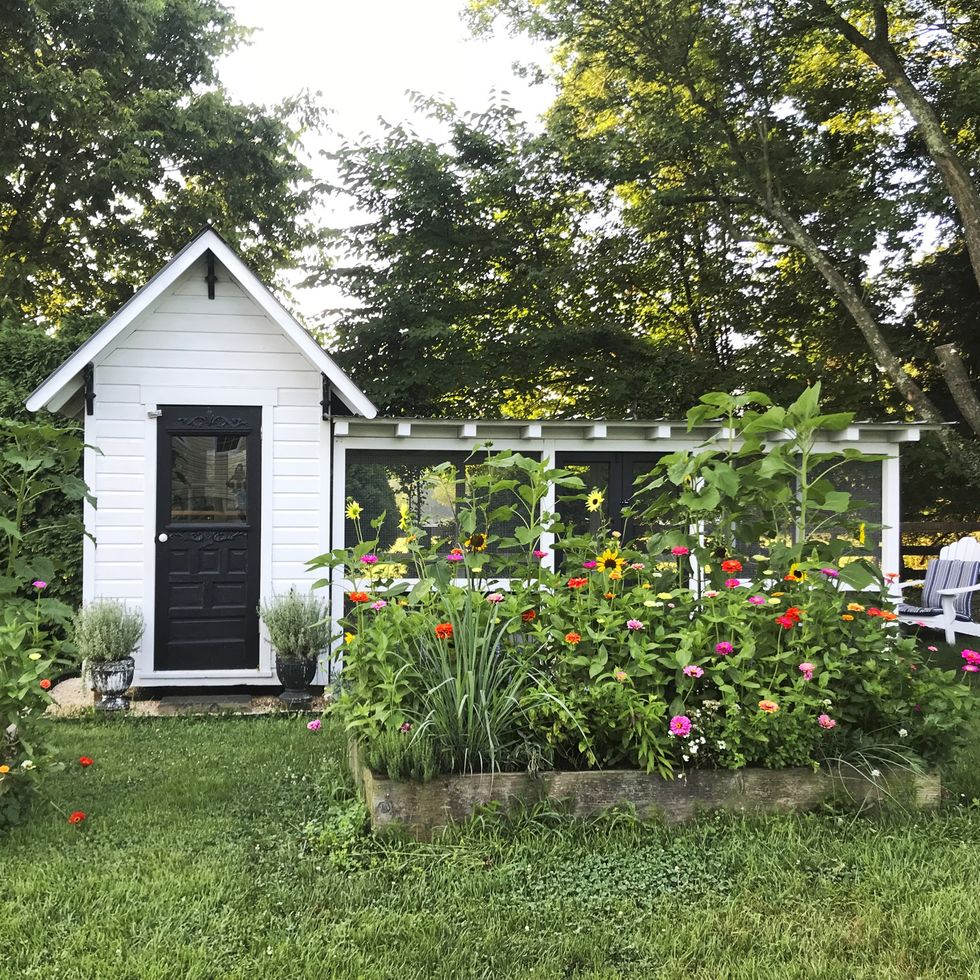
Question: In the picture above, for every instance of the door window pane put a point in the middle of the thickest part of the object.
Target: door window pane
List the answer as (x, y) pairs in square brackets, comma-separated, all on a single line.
[(208, 479)]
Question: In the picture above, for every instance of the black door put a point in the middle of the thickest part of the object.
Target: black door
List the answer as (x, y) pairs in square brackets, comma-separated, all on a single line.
[(207, 561)]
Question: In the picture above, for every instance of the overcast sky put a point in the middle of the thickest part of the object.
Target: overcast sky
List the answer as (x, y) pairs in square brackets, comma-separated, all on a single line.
[(365, 55)]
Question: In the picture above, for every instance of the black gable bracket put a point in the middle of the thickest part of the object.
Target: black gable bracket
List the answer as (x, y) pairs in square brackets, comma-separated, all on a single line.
[(88, 386), (331, 403), (210, 278)]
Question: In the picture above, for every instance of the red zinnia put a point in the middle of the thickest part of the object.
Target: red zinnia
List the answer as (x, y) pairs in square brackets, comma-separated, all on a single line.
[(77, 817), (444, 631), (731, 565), (577, 583), (358, 596), (85, 761), (45, 684), (872, 611), (528, 615), (787, 622)]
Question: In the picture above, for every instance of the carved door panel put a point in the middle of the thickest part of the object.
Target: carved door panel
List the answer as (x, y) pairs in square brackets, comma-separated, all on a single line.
[(207, 548)]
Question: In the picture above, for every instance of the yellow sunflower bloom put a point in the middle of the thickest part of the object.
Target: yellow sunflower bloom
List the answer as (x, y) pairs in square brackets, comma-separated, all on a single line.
[(594, 500), (404, 522), (348, 638), (353, 511), (609, 561), (476, 542), (862, 535)]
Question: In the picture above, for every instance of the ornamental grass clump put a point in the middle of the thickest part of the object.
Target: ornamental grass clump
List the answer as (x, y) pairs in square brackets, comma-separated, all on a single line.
[(298, 625), (106, 630)]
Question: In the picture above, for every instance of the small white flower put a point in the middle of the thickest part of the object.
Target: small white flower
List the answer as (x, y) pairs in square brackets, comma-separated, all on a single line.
[(27, 764), (721, 744), (686, 758), (875, 773), (693, 749), (827, 703), (903, 733)]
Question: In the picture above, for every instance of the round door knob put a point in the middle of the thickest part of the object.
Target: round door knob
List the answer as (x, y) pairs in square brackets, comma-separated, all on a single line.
[(162, 538)]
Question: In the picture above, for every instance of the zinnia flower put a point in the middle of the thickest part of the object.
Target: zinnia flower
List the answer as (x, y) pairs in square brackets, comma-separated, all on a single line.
[(358, 597), (620, 675), (405, 727), (315, 725), (732, 583), (855, 607), (848, 618), (45, 684), (932, 649), (573, 638), (353, 511), (590, 564), (692, 670), (369, 559), (76, 817), (731, 565), (4, 770), (455, 555), (825, 721), (786, 622), (769, 707), (971, 657), (679, 550), (85, 762), (634, 624), (495, 597), (637, 566), (615, 575), (39, 585), (971, 668), (593, 501), (444, 631), (680, 725), (378, 604), (528, 615), (608, 595), (539, 554), (807, 669), (757, 600), (724, 648), (577, 583), (476, 542), (829, 572)]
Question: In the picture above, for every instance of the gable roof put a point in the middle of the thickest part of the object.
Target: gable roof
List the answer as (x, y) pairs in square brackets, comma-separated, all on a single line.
[(66, 380)]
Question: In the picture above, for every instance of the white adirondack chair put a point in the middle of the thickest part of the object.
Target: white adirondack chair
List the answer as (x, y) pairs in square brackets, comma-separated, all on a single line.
[(947, 589)]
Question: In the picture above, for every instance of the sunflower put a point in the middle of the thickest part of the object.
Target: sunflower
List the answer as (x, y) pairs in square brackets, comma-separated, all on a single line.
[(353, 511), (795, 574), (609, 561), (404, 518), (594, 500), (476, 542)]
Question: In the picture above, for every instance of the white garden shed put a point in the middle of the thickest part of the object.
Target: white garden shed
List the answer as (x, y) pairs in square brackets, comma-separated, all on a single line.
[(225, 442)]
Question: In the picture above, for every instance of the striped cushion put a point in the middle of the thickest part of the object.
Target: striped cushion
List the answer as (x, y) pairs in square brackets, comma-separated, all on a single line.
[(945, 574)]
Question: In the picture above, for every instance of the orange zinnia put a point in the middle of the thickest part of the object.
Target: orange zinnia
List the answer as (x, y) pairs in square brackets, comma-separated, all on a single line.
[(848, 618), (528, 615), (770, 707), (444, 631), (577, 583), (358, 596), (573, 638), (45, 684), (77, 817)]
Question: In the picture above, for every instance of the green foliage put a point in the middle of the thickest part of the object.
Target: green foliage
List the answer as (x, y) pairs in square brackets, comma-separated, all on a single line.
[(298, 625), (105, 630), (400, 754), (120, 143)]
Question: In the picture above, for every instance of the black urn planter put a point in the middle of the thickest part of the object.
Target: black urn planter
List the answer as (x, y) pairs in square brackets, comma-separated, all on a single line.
[(111, 679), (295, 677)]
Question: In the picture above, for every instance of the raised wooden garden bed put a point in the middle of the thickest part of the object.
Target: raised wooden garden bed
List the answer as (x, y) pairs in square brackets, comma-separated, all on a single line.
[(420, 809)]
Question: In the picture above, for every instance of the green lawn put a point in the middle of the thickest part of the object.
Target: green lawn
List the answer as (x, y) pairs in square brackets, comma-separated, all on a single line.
[(219, 848)]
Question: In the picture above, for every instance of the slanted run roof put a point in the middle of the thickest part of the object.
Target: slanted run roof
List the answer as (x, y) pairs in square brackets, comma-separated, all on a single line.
[(67, 380)]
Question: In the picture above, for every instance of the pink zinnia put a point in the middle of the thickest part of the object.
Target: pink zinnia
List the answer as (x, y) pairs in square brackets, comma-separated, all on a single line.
[(638, 566), (634, 624), (679, 550), (933, 649), (825, 721), (380, 604), (313, 726), (495, 597), (971, 656), (369, 559), (756, 600), (971, 668), (724, 648), (680, 725), (710, 594), (807, 669), (732, 583), (691, 670), (539, 554), (829, 572), (590, 564), (454, 556)]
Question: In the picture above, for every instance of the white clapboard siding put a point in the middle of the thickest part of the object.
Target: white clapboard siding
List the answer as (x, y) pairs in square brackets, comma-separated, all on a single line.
[(186, 344)]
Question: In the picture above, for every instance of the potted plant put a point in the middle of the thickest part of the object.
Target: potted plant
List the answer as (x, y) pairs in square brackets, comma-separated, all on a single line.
[(106, 634), (299, 632)]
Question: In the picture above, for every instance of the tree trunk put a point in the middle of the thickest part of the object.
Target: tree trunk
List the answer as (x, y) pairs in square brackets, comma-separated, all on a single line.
[(959, 385), (862, 316), (955, 174)]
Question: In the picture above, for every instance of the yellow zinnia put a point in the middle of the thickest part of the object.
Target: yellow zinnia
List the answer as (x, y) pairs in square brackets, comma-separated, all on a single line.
[(665, 595), (594, 500), (854, 607), (609, 561)]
